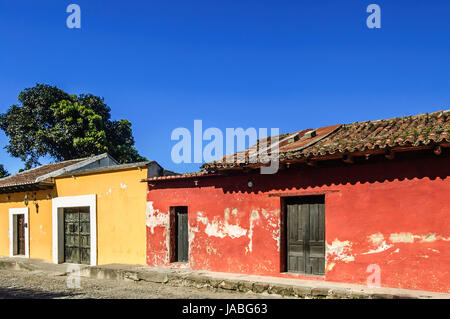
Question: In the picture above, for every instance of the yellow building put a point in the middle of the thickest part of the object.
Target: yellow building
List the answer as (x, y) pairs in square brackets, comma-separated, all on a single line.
[(89, 211)]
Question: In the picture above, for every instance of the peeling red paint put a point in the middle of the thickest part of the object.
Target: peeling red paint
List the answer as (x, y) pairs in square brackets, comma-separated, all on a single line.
[(390, 213)]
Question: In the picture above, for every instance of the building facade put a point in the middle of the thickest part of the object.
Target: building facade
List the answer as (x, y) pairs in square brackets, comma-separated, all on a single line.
[(363, 203), (86, 211)]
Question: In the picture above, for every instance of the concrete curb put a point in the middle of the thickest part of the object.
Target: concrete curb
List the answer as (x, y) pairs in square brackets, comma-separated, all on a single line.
[(33, 265), (209, 281)]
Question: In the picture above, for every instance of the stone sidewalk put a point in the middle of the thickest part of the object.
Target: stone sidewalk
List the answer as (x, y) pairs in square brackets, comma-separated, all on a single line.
[(225, 281)]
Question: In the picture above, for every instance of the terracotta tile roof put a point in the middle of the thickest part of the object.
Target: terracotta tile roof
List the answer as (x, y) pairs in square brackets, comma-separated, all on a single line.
[(31, 176), (407, 132), (287, 143)]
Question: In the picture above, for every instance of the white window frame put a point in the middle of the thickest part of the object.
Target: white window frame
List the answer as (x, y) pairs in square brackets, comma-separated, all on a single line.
[(13, 231), (58, 205)]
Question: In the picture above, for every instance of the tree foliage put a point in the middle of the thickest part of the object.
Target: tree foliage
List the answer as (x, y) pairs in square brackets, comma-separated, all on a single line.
[(3, 171), (51, 122)]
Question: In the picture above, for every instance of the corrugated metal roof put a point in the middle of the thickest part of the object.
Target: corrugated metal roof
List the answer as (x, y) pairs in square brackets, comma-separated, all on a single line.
[(107, 168)]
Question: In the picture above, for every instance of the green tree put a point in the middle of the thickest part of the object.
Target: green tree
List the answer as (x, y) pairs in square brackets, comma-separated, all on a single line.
[(51, 122), (3, 171)]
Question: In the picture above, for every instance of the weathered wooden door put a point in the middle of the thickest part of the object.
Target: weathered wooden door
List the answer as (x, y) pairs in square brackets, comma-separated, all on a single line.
[(20, 234), (305, 222), (182, 241), (77, 235)]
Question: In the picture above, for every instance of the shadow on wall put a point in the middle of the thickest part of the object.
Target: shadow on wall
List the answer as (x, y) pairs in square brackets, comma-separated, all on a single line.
[(32, 197), (332, 173)]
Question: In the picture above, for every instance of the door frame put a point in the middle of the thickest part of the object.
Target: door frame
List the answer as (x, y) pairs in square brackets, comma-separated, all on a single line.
[(13, 212), (177, 233), (58, 205), (284, 201), (78, 212), (173, 252)]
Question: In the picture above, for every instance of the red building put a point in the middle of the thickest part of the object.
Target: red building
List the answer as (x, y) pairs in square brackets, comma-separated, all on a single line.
[(348, 202)]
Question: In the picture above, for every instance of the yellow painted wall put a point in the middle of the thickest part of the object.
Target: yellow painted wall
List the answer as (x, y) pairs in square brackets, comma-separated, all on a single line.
[(121, 202), (40, 222)]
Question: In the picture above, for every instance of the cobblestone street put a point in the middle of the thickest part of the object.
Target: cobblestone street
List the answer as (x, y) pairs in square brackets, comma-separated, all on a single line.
[(16, 284)]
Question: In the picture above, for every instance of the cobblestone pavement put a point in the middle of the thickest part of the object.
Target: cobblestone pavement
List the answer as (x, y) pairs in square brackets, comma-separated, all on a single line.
[(17, 284)]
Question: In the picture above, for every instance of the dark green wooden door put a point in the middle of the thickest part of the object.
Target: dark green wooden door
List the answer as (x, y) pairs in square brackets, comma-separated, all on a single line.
[(182, 240), (77, 235), (305, 222)]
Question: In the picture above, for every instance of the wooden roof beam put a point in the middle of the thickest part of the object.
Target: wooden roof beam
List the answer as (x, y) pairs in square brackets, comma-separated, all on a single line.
[(390, 154), (348, 159), (437, 150), (311, 163)]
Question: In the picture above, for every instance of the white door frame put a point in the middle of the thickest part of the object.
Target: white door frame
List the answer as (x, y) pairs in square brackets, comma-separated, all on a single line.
[(58, 205), (13, 212)]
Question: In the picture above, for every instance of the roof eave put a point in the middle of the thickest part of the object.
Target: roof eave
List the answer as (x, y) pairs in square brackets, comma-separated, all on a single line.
[(26, 187), (328, 156)]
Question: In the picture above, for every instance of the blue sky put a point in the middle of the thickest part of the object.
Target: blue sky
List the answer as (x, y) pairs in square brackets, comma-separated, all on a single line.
[(285, 64)]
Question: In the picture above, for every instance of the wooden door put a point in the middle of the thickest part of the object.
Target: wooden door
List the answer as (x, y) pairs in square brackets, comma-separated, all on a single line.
[(305, 223), (85, 236), (20, 234), (77, 235), (182, 240)]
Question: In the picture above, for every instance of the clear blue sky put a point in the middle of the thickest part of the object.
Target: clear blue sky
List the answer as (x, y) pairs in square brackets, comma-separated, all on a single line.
[(286, 64)]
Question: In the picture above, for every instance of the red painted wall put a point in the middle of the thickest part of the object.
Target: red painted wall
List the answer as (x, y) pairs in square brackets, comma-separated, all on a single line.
[(394, 214)]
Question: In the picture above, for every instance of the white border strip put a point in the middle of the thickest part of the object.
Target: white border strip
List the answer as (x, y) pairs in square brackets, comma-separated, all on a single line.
[(58, 204)]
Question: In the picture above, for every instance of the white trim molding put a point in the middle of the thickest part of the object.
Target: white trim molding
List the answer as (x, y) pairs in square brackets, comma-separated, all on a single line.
[(58, 205), (13, 212)]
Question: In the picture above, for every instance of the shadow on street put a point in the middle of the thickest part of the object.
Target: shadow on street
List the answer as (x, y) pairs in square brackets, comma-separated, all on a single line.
[(20, 293)]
